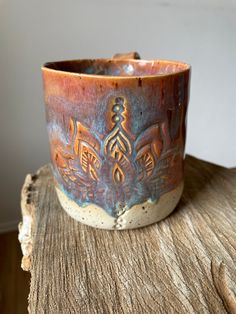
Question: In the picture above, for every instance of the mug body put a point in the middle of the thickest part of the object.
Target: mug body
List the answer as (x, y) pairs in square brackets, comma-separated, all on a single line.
[(117, 135)]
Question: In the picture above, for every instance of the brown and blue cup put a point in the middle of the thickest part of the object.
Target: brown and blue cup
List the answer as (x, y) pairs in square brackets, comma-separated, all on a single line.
[(117, 135)]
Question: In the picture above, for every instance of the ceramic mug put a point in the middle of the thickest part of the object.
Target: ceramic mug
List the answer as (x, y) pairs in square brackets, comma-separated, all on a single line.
[(117, 135)]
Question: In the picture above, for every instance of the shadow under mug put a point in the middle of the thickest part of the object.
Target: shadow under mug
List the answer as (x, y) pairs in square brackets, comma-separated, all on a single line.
[(117, 135)]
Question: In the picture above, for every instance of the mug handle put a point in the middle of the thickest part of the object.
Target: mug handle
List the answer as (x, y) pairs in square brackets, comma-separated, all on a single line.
[(128, 55)]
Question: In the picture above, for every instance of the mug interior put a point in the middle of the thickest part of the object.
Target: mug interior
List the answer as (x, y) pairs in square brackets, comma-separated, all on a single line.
[(117, 67)]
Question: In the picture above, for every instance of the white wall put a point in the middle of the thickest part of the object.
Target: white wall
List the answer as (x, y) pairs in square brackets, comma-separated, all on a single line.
[(201, 32)]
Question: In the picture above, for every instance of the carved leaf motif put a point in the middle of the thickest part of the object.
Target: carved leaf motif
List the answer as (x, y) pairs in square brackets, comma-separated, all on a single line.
[(61, 161), (78, 161), (117, 140), (85, 146), (82, 133), (118, 146), (89, 161), (118, 175), (152, 136), (146, 160), (149, 146)]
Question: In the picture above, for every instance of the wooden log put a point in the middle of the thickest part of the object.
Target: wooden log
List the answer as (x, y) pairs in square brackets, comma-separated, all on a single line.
[(184, 264)]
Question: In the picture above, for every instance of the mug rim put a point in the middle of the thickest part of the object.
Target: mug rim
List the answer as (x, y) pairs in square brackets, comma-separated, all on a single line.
[(186, 68)]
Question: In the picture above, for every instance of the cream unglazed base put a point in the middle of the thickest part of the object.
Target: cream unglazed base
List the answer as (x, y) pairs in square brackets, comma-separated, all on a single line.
[(138, 216)]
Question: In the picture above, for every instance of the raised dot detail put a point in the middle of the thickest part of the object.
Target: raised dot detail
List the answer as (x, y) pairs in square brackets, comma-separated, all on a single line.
[(116, 108), (116, 118)]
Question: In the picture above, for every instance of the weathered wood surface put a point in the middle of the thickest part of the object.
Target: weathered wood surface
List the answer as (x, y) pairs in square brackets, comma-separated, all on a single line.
[(184, 264)]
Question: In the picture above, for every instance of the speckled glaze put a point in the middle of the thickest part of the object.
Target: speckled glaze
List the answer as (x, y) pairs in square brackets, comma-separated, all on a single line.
[(117, 134)]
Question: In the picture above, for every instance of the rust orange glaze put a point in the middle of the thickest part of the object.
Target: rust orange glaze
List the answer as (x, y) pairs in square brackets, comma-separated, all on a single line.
[(116, 129)]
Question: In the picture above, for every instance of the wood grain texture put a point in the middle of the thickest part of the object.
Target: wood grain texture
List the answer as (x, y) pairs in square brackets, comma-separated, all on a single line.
[(184, 264)]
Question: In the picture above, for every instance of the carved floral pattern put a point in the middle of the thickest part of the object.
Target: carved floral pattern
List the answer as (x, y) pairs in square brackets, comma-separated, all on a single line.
[(102, 170)]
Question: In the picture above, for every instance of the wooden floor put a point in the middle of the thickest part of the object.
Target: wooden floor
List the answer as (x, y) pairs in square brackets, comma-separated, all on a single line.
[(14, 282)]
